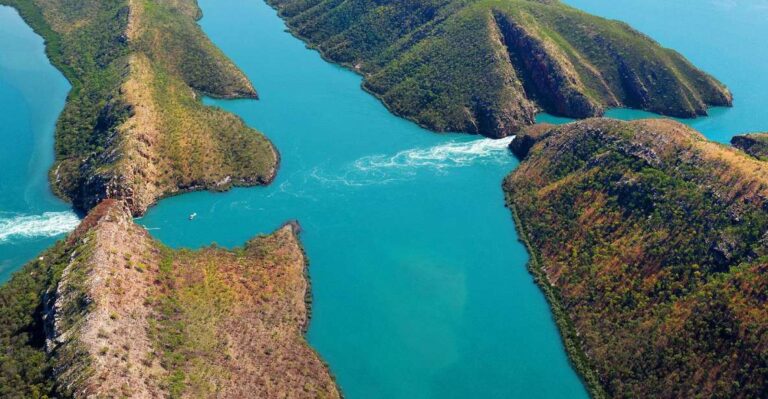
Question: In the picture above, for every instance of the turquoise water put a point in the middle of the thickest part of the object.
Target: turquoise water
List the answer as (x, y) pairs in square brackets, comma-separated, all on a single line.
[(420, 288), (723, 37), (32, 94)]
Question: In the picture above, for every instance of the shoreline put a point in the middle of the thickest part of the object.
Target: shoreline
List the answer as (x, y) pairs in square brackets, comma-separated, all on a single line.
[(568, 334), (308, 300), (576, 357), (350, 67)]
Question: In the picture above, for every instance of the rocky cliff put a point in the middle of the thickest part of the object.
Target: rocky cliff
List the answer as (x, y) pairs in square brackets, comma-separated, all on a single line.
[(134, 126), (755, 144), (651, 245), (110, 312), (488, 66)]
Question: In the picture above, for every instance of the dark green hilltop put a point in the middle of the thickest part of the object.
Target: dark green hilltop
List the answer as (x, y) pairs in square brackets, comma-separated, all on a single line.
[(651, 244), (488, 67)]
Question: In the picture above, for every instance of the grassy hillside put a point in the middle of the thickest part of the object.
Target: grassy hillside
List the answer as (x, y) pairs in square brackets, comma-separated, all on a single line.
[(133, 126), (650, 242), (110, 312), (488, 66)]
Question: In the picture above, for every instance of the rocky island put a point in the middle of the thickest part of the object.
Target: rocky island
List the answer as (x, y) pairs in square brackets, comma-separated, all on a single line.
[(650, 244), (111, 312), (134, 126), (488, 66)]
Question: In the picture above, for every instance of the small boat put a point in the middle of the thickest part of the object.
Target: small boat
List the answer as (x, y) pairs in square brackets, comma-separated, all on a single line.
[(193, 216)]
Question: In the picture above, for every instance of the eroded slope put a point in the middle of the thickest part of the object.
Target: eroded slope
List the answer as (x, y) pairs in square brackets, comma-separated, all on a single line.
[(109, 312), (650, 242), (134, 127), (488, 66)]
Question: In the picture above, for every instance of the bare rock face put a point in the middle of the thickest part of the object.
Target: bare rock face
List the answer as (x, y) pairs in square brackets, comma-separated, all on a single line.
[(755, 144), (102, 313), (528, 137), (548, 80)]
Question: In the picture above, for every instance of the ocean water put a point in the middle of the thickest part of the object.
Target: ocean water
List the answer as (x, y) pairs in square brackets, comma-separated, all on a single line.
[(419, 285), (725, 38), (32, 94)]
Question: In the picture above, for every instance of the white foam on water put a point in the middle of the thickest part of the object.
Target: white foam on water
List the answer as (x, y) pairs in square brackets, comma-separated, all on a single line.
[(351, 178), (404, 165), (449, 155), (49, 224)]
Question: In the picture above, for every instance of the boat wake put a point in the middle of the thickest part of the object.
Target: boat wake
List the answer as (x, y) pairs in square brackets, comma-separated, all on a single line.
[(449, 155), (49, 224)]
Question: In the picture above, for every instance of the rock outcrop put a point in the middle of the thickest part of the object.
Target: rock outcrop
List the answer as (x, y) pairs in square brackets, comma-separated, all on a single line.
[(650, 243), (528, 137), (124, 316), (755, 144), (488, 67)]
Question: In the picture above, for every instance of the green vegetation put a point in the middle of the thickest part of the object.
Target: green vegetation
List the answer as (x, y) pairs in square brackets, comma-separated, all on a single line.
[(84, 321), (487, 66), (86, 41), (649, 242), (25, 369), (26, 319), (190, 311), (134, 126), (170, 35), (221, 313)]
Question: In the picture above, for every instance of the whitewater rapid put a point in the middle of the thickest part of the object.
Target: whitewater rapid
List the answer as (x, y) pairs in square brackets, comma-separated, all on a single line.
[(404, 165), (447, 155), (372, 169), (48, 224)]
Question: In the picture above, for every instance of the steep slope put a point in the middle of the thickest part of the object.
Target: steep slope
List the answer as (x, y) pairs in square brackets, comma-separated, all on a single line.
[(109, 312), (488, 66), (650, 243), (134, 127), (755, 144)]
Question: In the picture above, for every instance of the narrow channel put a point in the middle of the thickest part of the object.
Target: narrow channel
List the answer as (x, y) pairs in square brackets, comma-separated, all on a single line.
[(420, 286)]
